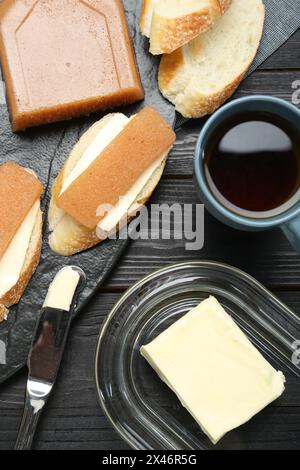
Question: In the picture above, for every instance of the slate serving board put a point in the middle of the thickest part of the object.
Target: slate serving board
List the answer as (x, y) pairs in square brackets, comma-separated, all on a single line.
[(44, 150)]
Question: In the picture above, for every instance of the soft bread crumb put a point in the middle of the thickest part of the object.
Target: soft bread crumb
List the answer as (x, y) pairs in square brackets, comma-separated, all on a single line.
[(3, 313), (199, 77)]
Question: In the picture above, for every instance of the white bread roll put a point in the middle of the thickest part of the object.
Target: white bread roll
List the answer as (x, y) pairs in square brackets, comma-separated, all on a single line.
[(201, 76), (172, 23)]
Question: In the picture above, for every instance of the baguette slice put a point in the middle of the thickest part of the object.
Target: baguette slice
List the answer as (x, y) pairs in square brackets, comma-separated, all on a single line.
[(31, 261), (172, 23), (201, 76), (33, 254), (68, 236)]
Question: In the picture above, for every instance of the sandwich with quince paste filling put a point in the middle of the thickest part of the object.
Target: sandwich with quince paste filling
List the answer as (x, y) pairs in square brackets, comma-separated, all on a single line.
[(20, 232), (110, 173)]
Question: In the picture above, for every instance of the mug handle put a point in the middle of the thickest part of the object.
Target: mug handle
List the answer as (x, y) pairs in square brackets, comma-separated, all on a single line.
[(291, 230)]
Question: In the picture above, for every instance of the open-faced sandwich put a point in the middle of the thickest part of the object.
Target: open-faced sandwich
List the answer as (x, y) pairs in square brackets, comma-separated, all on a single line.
[(20, 232), (110, 173)]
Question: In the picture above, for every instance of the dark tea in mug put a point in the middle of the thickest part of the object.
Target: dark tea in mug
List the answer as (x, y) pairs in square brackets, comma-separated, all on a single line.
[(252, 164)]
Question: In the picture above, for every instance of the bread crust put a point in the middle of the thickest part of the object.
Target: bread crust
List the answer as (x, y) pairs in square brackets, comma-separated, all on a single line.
[(192, 103), (203, 105), (169, 34), (14, 295), (143, 17), (224, 5), (170, 66), (195, 105), (68, 237)]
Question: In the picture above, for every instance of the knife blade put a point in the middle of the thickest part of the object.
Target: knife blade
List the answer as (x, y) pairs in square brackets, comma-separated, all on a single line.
[(47, 348)]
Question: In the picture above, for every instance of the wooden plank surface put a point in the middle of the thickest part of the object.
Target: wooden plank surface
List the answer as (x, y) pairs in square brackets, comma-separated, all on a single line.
[(73, 419), (265, 255)]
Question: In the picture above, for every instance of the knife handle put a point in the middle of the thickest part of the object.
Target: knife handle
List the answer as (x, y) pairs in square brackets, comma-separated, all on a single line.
[(32, 411)]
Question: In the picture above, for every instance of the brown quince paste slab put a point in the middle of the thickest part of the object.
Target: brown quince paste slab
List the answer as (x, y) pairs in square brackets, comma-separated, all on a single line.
[(65, 58), (143, 141), (19, 190)]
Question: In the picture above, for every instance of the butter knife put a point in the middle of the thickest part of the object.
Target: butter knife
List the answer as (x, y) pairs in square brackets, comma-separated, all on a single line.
[(47, 348)]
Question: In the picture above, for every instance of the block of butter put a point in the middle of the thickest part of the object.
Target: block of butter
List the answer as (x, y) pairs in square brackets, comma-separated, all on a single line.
[(215, 371)]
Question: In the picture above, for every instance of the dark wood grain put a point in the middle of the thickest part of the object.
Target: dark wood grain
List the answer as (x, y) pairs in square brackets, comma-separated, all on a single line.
[(287, 57), (73, 419)]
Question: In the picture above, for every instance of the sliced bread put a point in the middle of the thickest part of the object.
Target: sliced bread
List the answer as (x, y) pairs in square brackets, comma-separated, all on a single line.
[(201, 76), (172, 23)]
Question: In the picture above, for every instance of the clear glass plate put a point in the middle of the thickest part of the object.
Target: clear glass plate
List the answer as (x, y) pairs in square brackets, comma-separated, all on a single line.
[(142, 408)]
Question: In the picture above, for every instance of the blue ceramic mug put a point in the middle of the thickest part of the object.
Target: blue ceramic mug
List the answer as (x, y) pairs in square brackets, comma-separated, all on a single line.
[(288, 217)]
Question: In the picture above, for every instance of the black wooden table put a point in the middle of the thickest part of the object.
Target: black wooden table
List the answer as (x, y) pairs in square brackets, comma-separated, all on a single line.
[(73, 419)]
